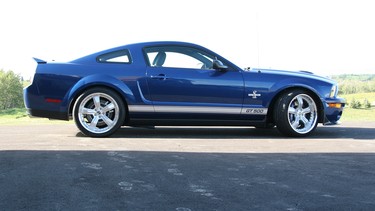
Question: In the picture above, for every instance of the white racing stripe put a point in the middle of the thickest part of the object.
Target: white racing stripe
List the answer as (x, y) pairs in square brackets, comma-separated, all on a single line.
[(197, 109)]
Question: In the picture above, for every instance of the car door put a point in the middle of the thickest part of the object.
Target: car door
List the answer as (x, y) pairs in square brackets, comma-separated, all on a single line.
[(181, 81)]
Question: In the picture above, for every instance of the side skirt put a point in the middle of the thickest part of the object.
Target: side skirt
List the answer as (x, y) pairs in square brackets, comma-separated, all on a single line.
[(195, 122)]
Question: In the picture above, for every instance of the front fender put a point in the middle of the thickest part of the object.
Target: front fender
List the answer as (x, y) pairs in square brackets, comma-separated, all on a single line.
[(320, 89), (95, 81)]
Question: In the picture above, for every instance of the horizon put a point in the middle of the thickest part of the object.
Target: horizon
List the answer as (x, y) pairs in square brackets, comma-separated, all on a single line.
[(326, 38)]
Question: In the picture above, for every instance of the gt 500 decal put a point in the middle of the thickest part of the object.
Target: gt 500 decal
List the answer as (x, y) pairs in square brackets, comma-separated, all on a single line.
[(256, 111)]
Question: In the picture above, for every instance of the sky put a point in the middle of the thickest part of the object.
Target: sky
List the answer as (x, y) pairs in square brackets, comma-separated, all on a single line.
[(325, 37)]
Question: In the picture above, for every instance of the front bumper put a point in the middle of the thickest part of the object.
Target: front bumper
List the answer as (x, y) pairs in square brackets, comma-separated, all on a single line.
[(333, 109)]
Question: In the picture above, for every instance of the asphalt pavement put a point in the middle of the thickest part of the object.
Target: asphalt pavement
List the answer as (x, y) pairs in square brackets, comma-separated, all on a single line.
[(54, 167)]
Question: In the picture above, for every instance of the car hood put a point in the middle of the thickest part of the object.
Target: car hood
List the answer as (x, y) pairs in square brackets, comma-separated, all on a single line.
[(302, 74)]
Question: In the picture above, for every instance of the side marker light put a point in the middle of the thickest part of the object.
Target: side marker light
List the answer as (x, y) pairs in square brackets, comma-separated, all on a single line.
[(334, 105), (51, 100)]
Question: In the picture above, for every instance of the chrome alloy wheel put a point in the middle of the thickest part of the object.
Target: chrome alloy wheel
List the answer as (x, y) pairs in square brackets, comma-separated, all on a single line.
[(302, 114), (98, 113)]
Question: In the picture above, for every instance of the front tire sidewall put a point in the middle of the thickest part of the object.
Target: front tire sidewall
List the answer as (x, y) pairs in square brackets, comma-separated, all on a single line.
[(116, 99), (282, 118)]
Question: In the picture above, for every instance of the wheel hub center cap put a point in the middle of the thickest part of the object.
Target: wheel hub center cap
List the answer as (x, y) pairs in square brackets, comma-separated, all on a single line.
[(99, 111)]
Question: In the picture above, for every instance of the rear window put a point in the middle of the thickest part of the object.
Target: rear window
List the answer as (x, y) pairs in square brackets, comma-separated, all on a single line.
[(121, 56)]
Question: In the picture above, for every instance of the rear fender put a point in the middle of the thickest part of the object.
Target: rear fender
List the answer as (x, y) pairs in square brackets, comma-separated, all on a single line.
[(95, 81)]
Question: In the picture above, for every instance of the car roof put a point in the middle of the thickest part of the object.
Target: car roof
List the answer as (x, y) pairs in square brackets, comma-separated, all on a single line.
[(92, 57)]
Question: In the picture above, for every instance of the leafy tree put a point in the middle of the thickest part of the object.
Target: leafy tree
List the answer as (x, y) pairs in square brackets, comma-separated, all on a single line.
[(350, 83), (367, 103), (10, 90), (355, 104)]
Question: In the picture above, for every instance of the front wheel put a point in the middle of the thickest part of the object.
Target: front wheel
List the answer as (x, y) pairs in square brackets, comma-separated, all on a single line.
[(99, 112), (296, 113)]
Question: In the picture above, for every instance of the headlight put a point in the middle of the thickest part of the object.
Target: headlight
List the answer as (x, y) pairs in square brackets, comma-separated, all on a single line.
[(333, 91)]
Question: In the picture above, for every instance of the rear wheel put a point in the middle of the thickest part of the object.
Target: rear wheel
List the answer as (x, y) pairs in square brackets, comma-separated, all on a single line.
[(296, 113), (99, 112)]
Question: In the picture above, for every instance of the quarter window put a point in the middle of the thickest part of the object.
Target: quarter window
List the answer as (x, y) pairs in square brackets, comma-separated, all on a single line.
[(121, 56)]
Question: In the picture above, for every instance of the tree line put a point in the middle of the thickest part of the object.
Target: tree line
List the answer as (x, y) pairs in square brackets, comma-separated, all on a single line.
[(351, 83), (10, 90)]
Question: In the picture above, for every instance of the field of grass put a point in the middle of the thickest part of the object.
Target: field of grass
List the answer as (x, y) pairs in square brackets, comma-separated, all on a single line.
[(360, 96), (18, 116), (360, 114)]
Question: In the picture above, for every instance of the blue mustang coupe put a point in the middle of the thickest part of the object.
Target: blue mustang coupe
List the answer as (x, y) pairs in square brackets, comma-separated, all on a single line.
[(175, 84)]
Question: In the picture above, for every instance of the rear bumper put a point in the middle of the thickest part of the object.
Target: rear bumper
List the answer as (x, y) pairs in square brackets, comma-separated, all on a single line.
[(38, 107), (47, 114)]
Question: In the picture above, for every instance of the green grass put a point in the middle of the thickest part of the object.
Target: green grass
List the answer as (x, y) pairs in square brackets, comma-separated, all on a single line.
[(360, 114), (18, 116), (360, 96), (350, 115)]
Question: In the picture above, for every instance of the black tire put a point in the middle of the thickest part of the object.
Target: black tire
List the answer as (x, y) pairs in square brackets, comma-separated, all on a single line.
[(99, 112), (296, 113)]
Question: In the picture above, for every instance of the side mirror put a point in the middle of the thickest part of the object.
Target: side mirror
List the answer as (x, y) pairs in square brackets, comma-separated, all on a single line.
[(218, 65)]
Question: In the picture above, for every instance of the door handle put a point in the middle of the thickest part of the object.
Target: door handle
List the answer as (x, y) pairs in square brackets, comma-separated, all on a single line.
[(159, 77)]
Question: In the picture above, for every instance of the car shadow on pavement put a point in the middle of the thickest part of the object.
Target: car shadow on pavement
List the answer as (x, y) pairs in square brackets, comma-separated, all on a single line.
[(184, 181), (331, 132)]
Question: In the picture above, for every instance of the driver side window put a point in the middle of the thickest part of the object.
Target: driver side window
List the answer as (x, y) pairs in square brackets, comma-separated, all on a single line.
[(178, 57)]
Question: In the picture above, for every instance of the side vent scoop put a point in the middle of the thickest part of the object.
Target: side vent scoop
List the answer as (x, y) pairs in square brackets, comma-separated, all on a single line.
[(39, 61)]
